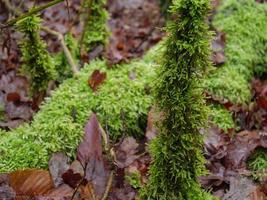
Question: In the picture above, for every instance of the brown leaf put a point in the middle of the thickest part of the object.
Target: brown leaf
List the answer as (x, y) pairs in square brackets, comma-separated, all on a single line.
[(243, 189), (6, 192), (63, 192), (31, 182), (126, 152), (241, 148), (13, 97), (97, 78), (58, 164)]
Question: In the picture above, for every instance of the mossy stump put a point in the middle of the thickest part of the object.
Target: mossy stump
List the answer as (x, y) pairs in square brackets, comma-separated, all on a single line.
[(177, 151)]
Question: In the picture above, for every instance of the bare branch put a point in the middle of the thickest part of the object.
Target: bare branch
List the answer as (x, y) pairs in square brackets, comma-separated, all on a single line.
[(31, 12), (64, 47)]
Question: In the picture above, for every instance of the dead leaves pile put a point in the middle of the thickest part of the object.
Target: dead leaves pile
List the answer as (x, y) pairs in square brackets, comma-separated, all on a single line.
[(94, 175)]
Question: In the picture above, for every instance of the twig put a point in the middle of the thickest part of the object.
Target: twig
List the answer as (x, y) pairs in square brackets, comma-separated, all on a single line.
[(31, 12), (11, 8), (108, 187), (64, 47)]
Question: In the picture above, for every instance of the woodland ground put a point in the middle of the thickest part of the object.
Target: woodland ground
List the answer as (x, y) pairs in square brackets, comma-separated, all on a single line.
[(235, 88)]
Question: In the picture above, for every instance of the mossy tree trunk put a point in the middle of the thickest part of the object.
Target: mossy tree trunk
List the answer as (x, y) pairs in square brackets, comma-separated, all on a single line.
[(177, 151)]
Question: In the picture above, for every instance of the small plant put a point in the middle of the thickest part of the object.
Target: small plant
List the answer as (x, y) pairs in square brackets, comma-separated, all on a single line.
[(37, 63), (177, 151), (134, 179), (258, 163)]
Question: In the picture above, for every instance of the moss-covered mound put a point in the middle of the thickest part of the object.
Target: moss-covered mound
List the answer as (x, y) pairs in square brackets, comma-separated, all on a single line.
[(245, 25), (121, 103)]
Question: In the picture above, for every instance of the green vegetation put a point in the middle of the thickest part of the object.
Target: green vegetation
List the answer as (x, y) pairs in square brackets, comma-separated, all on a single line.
[(134, 179), (245, 25), (96, 31), (38, 65), (258, 163), (177, 151), (61, 63), (221, 117), (120, 103)]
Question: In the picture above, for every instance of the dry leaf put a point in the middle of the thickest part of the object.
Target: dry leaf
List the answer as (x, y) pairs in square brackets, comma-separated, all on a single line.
[(96, 79)]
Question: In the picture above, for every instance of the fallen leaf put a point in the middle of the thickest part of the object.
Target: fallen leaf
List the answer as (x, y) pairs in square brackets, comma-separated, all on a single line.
[(126, 152), (97, 78), (74, 175), (58, 164), (243, 189), (31, 182), (90, 155)]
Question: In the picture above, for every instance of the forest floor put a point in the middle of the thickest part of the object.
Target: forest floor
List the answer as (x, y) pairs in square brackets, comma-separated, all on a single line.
[(135, 26)]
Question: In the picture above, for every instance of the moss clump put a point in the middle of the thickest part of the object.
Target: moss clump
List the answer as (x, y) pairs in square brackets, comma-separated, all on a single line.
[(245, 25), (58, 126), (221, 117), (134, 179), (37, 63), (258, 160), (258, 164), (177, 151), (96, 31)]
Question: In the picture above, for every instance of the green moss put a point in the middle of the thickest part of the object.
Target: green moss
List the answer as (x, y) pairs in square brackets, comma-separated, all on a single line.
[(96, 31), (58, 126), (177, 150), (134, 179), (221, 117), (38, 65), (258, 160), (258, 164), (245, 25)]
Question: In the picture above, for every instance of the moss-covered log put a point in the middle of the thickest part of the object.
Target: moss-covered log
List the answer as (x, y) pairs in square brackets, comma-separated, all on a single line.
[(59, 123), (245, 25), (121, 103)]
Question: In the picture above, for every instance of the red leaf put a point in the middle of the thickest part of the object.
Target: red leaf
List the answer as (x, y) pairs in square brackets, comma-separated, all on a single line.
[(13, 97), (90, 155), (71, 178), (96, 79)]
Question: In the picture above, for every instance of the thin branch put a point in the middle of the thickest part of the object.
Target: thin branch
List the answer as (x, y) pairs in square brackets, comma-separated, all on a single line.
[(108, 187), (64, 47), (31, 12), (11, 8), (52, 32)]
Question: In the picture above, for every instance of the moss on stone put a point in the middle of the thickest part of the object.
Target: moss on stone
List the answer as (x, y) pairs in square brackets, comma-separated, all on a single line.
[(245, 25), (58, 126)]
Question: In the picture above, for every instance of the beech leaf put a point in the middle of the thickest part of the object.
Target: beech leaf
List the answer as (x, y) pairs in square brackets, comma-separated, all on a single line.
[(96, 79)]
